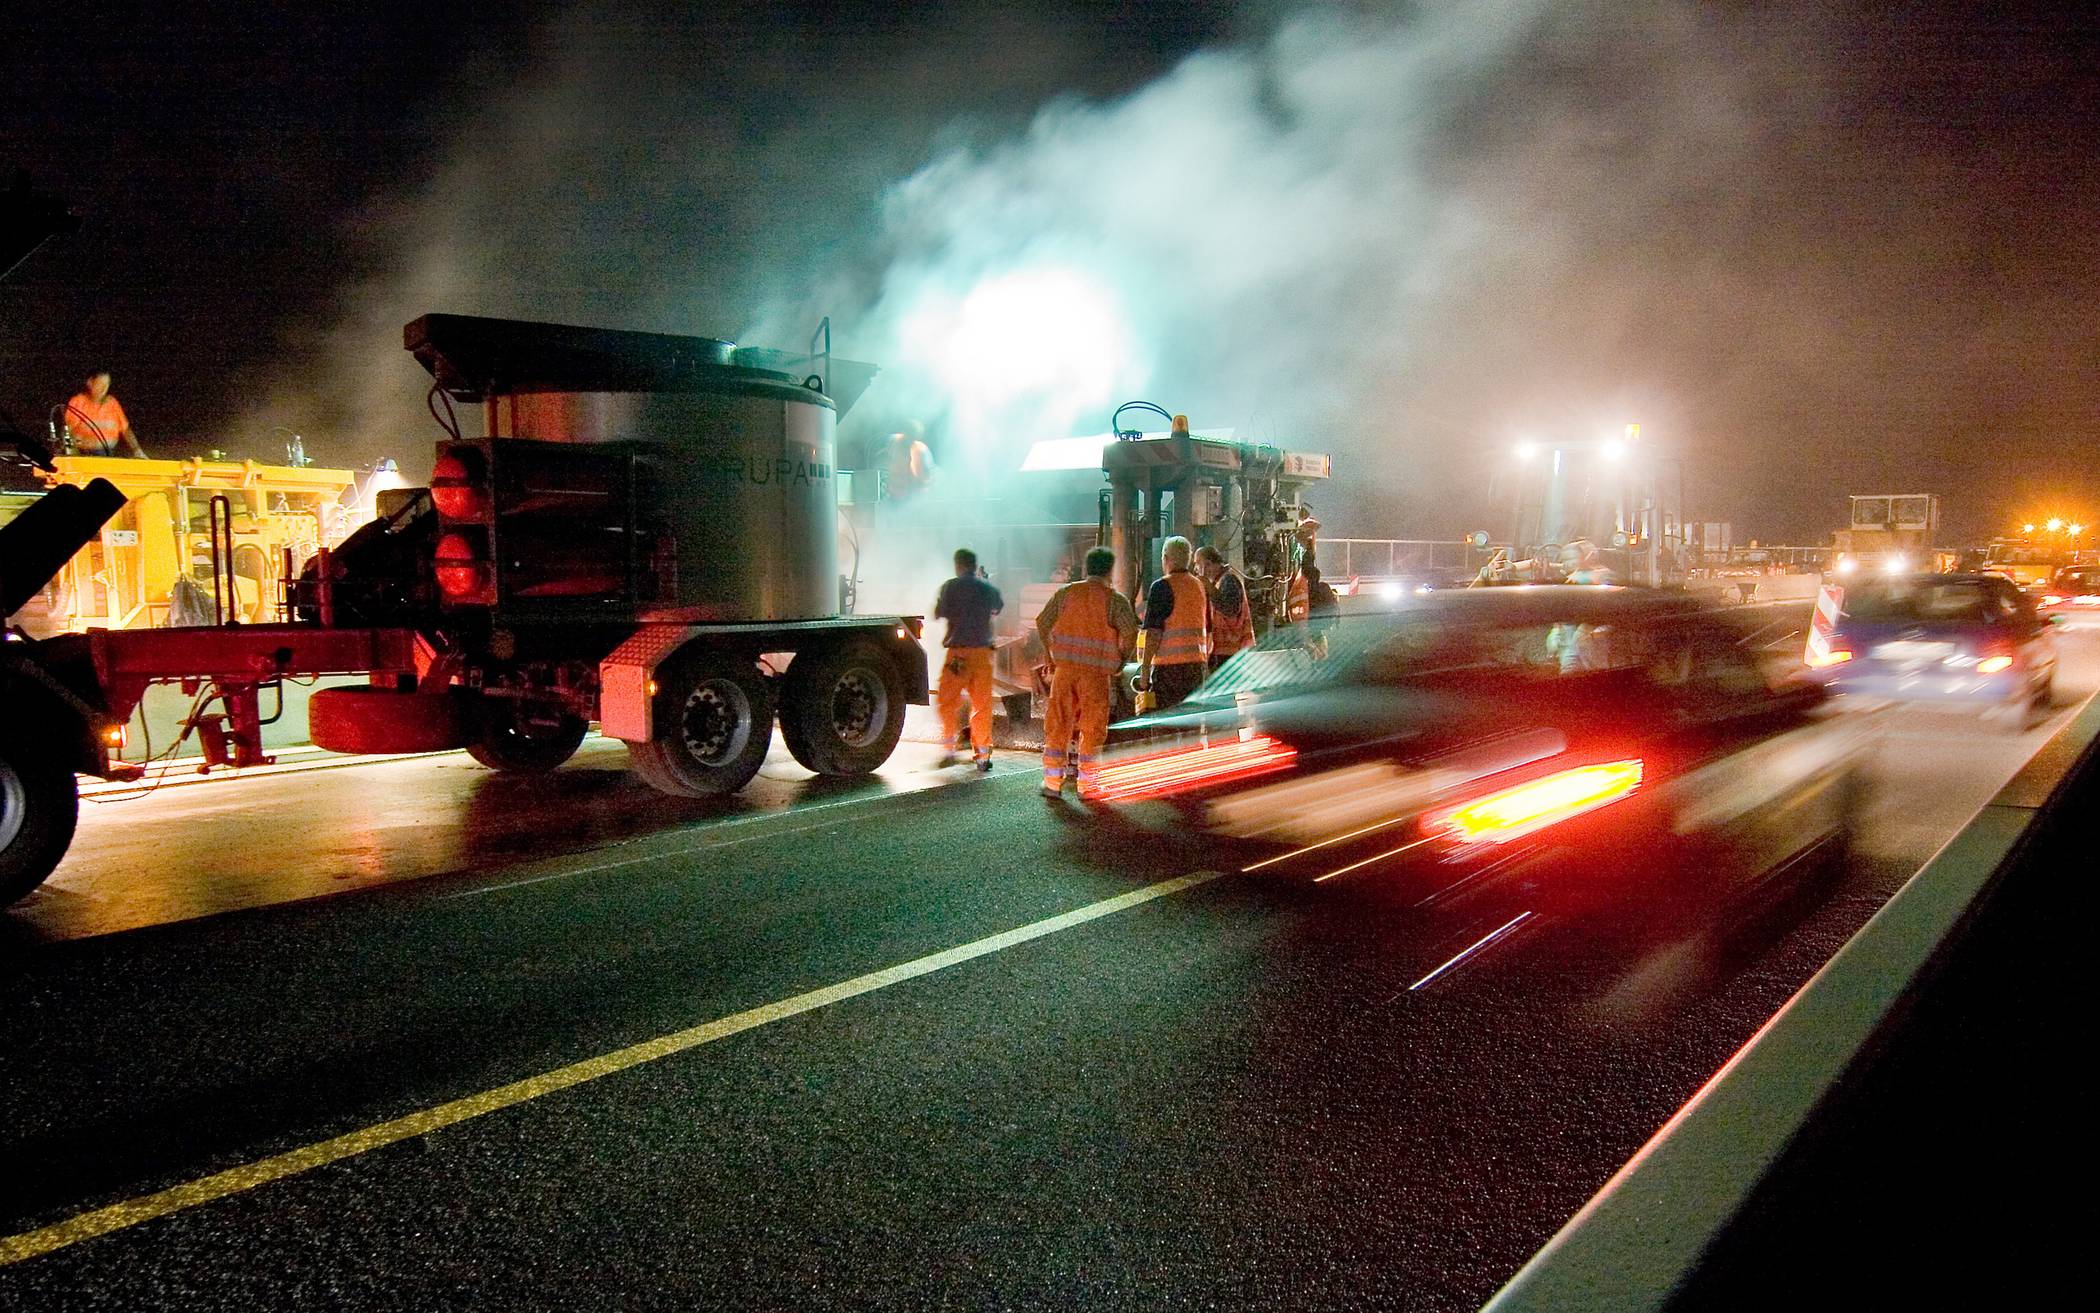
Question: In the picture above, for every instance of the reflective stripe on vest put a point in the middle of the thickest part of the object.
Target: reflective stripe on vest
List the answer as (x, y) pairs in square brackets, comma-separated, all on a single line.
[(1182, 641), (1083, 636), (1232, 632)]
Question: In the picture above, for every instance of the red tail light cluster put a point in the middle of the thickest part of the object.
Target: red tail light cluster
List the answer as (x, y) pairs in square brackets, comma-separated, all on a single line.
[(462, 574), (457, 487)]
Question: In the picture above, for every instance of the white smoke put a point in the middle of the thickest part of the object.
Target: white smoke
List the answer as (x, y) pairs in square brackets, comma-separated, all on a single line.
[(1410, 235), (1361, 235)]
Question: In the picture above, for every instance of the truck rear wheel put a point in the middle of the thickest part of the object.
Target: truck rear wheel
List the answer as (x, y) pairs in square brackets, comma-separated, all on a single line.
[(713, 724), (842, 711), (39, 806), (509, 736)]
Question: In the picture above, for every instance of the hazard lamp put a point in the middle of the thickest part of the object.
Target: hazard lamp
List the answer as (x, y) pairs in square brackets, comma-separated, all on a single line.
[(462, 573), (1529, 807), (1159, 774), (456, 486)]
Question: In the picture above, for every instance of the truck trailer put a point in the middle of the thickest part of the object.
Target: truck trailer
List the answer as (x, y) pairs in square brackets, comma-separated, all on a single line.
[(641, 531)]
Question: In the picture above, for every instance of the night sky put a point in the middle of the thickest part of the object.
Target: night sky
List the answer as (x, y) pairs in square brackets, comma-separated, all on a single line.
[(1813, 249)]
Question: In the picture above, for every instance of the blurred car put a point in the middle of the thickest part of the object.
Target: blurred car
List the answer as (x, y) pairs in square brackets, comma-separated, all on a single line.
[(1576, 741), (1972, 639), (2071, 598)]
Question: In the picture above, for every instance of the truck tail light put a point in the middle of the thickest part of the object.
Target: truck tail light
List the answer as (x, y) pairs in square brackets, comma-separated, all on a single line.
[(457, 488), (462, 574), (1533, 805)]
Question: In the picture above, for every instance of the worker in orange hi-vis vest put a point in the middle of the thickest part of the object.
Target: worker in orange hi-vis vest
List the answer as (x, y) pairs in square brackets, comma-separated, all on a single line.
[(98, 423), (1231, 613), (1177, 628), (968, 603), (1089, 629)]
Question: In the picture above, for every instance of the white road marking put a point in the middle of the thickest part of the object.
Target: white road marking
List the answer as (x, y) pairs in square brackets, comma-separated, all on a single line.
[(1477, 947)]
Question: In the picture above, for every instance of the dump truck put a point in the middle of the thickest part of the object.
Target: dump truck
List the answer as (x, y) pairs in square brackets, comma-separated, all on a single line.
[(641, 531)]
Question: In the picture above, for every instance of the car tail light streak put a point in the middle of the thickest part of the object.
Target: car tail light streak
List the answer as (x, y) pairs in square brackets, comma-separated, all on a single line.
[(1161, 773), (1834, 655), (1992, 665), (1529, 807)]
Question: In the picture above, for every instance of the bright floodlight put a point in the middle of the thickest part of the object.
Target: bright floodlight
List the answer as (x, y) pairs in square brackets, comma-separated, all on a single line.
[(1846, 565), (1897, 565), (1526, 450), (2055, 526), (2026, 528), (1614, 450), (1391, 590), (2075, 530), (1019, 334)]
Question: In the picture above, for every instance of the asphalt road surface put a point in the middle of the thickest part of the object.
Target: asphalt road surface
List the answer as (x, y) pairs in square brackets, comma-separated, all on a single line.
[(406, 1034)]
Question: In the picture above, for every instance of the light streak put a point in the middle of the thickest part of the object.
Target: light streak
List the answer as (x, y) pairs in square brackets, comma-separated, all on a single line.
[(1527, 808)]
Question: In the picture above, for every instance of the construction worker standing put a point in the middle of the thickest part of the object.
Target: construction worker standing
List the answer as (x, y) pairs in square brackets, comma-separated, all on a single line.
[(1177, 629), (907, 462), (1088, 628), (98, 423), (968, 604), (1231, 614)]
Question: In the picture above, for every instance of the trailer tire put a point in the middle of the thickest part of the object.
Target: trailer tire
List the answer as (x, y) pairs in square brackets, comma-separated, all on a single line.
[(39, 806), (713, 723), (842, 711), (503, 742)]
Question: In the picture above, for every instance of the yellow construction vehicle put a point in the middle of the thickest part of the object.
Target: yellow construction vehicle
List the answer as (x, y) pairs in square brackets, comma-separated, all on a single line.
[(154, 563)]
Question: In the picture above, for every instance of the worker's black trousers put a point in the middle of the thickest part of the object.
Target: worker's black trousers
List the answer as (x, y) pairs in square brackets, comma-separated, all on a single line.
[(1172, 684)]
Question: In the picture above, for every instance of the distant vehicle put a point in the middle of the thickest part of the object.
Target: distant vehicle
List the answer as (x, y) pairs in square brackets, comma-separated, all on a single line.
[(1575, 741), (2029, 564), (2071, 598), (1971, 639), (1887, 533)]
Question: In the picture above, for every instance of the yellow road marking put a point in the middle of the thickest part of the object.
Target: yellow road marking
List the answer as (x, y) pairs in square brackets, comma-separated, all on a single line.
[(206, 1189)]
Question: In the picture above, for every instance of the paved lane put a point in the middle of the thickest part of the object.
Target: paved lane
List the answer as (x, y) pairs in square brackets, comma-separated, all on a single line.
[(1227, 1096)]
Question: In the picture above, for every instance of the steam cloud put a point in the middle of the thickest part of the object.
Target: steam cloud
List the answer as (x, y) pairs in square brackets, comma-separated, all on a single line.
[(1800, 249)]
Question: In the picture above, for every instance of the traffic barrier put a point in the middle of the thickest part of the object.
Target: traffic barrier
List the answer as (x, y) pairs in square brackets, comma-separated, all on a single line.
[(1637, 1241), (1787, 587)]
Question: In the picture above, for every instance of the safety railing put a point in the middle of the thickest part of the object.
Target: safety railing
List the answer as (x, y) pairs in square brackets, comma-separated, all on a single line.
[(1637, 1242), (1386, 558)]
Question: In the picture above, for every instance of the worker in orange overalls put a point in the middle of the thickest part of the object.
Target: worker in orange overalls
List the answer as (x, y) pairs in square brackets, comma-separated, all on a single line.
[(968, 603), (907, 462), (1088, 628), (1177, 629), (98, 422), (1231, 613)]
